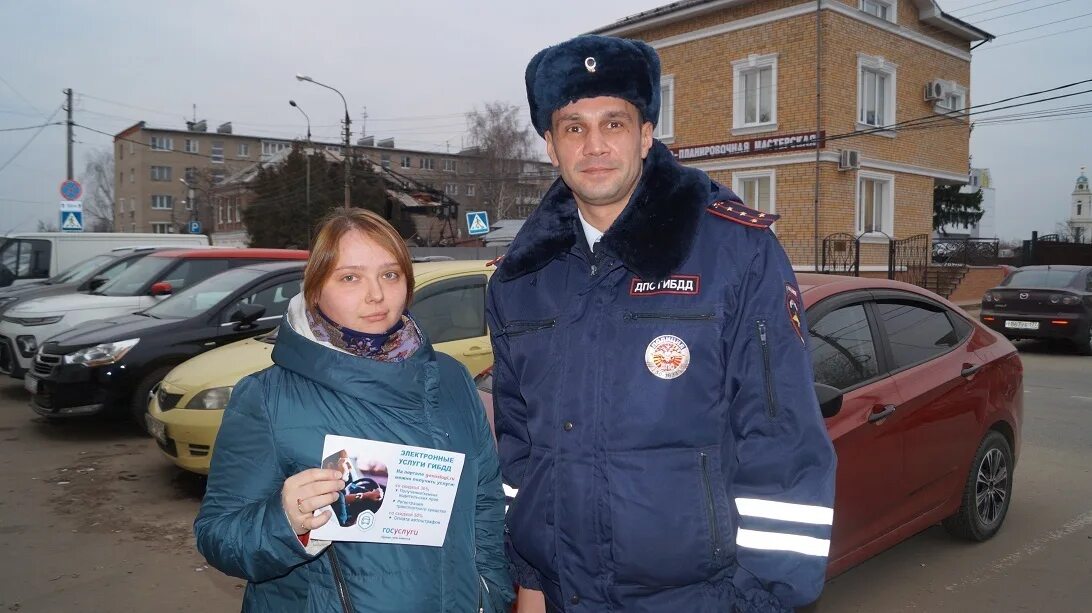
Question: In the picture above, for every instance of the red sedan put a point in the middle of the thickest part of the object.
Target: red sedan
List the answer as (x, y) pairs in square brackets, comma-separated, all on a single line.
[(924, 405)]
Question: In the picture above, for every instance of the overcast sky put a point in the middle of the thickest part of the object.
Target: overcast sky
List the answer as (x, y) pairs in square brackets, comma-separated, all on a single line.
[(419, 66)]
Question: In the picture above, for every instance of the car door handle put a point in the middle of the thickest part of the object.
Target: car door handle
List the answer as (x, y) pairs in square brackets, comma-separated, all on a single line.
[(970, 369), (880, 412), (473, 351)]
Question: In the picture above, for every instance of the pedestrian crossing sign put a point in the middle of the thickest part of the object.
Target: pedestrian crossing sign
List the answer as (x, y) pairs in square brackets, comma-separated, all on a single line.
[(72, 221), (477, 223)]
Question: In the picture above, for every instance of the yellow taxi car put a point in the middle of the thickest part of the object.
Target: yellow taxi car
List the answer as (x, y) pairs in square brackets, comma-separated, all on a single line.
[(186, 408)]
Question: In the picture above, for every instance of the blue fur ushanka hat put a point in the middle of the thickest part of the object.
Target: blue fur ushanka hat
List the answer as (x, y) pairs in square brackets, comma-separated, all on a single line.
[(591, 66)]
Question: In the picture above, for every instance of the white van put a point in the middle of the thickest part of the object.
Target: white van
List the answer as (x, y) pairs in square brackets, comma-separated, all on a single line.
[(34, 256)]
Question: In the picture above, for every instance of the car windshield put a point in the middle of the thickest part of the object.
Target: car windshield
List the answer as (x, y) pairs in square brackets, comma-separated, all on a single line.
[(1054, 279), (81, 270), (201, 297), (130, 282)]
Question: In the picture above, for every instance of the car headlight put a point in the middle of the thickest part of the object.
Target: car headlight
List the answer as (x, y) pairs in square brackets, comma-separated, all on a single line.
[(34, 321), (212, 398), (101, 355)]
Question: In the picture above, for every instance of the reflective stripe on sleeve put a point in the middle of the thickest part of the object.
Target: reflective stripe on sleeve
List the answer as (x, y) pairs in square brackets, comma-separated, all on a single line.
[(785, 511), (776, 541), (509, 491)]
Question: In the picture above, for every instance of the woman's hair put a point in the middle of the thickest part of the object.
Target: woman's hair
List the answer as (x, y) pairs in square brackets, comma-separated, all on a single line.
[(325, 249)]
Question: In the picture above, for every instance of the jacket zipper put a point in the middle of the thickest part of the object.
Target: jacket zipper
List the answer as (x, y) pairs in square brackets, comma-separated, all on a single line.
[(339, 582), (631, 316), (526, 327), (711, 509), (481, 596), (771, 399)]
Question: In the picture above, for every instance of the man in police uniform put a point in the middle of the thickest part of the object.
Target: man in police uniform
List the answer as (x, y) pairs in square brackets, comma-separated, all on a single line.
[(653, 391)]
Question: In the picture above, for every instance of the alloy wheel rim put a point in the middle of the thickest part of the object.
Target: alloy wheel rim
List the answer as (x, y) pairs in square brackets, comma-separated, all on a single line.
[(991, 486)]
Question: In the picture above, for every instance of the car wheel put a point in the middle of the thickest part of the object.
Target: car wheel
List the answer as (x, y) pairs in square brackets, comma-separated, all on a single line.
[(987, 493), (1084, 345), (139, 405)]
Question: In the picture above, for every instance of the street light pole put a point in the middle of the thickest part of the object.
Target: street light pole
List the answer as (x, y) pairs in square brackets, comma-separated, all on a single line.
[(307, 213), (191, 196), (348, 133)]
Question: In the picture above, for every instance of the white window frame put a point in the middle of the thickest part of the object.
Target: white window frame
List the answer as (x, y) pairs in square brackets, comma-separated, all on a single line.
[(428, 164), (244, 150), (162, 202), (890, 72), (768, 173), (161, 143), (952, 89), (162, 227), (470, 189), (892, 7), (192, 145), (887, 229), (665, 123), (449, 165), (451, 189), (157, 173), (406, 162), (740, 68), (214, 157)]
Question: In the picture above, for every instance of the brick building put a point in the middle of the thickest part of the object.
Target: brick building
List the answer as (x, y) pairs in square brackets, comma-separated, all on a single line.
[(152, 163), (751, 86)]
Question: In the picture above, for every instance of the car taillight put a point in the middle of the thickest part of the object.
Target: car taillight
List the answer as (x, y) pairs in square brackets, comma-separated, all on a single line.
[(988, 297), (1071, 300), (1055, 299)]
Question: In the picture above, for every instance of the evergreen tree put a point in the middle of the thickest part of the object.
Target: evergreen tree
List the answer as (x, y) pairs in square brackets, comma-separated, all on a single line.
[(954, 208)]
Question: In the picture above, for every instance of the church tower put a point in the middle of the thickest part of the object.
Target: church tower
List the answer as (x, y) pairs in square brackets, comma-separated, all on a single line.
[(1080, 215)]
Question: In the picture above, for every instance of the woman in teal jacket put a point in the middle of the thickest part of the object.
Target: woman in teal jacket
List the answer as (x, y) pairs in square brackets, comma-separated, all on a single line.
[(350, 361)]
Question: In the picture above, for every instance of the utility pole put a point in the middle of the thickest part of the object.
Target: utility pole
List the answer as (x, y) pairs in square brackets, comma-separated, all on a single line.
[(68, 107), (347, 158)]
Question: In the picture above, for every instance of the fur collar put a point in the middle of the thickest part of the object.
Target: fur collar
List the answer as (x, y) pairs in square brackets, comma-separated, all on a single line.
[(652, 236)]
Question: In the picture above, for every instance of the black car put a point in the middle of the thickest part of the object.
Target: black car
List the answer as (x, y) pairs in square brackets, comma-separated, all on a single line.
[(111, 365), (1045, 302), (86, 276)]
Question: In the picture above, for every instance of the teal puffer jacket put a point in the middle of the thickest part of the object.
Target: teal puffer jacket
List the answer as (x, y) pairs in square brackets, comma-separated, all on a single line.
[(274, 427)]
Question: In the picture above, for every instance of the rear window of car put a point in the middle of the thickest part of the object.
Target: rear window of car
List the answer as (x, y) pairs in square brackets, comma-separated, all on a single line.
[(81, 270), (1054, 279), (916, 332)]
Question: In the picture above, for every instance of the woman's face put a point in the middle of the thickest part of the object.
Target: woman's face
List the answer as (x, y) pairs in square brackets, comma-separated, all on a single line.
[(366, 290)]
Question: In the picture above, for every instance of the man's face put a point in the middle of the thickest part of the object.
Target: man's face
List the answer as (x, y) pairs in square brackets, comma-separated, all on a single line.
[(599, 144)]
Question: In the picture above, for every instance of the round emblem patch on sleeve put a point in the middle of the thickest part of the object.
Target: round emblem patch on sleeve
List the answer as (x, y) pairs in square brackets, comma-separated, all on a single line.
[(667, 356)]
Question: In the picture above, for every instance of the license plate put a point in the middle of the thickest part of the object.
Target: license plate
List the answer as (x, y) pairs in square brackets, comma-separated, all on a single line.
[(1022, 325), (31, 384), (157, 429)]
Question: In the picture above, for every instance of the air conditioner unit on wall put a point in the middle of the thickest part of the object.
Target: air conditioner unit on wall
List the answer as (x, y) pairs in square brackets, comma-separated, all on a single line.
[(935, 90), (849, 159)]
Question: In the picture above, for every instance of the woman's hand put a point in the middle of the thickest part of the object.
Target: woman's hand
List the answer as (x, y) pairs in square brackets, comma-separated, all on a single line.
[(306, 491)]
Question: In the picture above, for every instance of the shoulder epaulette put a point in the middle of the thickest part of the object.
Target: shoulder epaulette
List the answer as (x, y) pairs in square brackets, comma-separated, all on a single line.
[(494, 261), (734, 211)]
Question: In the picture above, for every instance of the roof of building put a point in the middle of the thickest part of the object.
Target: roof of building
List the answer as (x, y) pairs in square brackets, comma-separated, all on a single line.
[(928, 12)]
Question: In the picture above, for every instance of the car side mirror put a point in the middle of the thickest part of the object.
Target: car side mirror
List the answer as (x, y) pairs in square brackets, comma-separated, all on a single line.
[(162, 289), (830, 400), (247, 314), (96, 283)]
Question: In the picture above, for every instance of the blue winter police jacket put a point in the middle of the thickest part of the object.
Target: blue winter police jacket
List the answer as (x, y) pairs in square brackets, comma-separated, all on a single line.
[(274, 427), (655, 406)]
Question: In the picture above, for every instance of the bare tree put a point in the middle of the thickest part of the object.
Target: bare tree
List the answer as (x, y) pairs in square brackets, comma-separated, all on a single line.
[(47, 227), (98, 199), (503, 142)]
